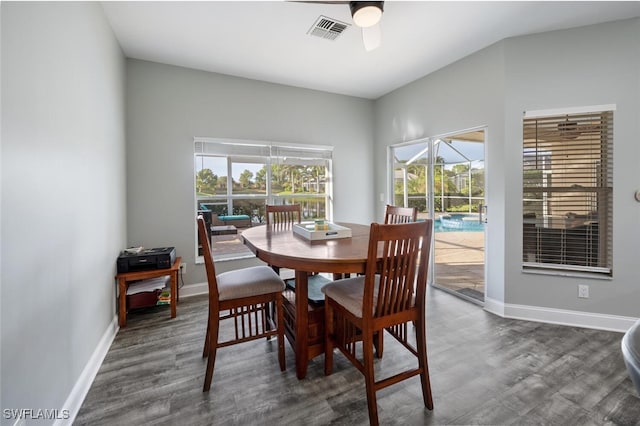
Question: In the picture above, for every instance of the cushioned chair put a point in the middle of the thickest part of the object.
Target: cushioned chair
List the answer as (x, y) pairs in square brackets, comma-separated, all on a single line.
[(390, 295), (631, 353), (237, 220), (242, 296), (395, 214)]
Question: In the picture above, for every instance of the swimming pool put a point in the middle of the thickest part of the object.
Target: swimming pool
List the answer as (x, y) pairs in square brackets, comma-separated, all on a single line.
[(458, 222)]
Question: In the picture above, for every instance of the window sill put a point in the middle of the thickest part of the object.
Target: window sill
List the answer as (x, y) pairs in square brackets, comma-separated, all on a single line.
[(568, 274)]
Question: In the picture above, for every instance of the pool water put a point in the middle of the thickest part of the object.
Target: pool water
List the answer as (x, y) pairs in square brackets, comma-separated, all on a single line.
[(457, 222)]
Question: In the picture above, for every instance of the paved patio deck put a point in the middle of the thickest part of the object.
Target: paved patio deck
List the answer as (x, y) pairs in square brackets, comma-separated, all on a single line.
[(459, 262)]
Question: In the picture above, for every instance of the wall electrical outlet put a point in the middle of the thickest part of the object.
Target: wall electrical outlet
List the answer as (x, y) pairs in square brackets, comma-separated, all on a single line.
[(583, 291), (183, 267)]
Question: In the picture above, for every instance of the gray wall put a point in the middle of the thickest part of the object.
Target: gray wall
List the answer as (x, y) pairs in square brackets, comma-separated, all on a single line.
[(63, 195), (579, 67), (592, 65), (466, 94), (168, 106)]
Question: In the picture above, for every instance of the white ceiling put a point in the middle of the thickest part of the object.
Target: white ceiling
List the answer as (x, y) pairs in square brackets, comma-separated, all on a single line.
[(267, 40)]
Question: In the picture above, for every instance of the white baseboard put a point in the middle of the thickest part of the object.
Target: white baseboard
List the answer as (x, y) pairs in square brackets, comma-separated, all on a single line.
[(81, 388), (513, 311), (194, 290), (560, 316), (494, 306)]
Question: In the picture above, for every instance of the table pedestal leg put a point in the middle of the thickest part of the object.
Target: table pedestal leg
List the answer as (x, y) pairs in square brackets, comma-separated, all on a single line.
[(302, 324)]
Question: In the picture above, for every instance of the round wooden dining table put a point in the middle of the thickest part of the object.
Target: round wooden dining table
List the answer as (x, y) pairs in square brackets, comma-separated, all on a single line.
[(279, 246)]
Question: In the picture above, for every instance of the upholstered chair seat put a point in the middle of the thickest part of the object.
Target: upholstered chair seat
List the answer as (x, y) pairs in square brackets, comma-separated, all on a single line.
[(248, 282)]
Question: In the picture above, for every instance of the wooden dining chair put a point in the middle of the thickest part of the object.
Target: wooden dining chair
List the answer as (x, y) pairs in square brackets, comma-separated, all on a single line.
[(242, 296), (284, 214), (395, 214), (385, 298)]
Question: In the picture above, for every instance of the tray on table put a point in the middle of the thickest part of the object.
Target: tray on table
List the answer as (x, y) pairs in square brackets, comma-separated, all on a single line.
[(307, 231)]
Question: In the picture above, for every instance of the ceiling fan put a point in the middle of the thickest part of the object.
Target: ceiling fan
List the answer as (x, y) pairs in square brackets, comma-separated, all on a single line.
[(568, 130), (366, 15)]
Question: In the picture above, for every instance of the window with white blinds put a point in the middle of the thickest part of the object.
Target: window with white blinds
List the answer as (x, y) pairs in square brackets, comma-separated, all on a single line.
[(567, 190)]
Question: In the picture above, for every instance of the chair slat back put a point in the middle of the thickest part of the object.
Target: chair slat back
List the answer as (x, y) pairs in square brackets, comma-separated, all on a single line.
[(402, 270), (208, 261), (395, 214), (286, 214)]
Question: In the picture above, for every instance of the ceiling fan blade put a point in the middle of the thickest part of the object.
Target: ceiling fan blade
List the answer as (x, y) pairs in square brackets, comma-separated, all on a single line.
[(372, 37)]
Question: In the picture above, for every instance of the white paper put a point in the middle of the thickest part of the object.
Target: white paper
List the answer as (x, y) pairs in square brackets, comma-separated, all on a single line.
[(150, 284)]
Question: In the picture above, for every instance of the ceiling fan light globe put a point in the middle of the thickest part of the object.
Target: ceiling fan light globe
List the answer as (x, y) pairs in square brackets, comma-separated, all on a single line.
[(366, 14)]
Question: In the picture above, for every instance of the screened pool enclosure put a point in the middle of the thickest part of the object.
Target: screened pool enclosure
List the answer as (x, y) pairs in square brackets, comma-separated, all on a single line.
[(458, 175)]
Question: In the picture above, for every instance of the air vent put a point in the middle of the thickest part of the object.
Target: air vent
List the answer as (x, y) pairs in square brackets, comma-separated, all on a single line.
[(327, 28)]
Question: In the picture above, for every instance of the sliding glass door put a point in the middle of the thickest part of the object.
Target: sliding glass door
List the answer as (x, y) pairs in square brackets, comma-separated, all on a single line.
[(444, 179)]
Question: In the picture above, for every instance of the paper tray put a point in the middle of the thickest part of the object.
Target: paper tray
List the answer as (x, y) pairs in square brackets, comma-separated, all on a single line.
[(306, 231)]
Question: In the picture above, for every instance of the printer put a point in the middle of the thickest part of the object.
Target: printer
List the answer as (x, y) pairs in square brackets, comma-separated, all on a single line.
[(146, 259)]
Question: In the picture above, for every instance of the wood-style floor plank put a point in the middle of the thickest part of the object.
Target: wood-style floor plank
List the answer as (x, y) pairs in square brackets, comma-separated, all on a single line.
[(484, 370)]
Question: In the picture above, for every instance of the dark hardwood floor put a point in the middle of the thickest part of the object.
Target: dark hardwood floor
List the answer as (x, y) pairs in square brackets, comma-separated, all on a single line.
[(484, 370)]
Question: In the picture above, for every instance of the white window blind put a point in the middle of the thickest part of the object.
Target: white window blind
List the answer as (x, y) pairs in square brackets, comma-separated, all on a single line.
[(567, 191), (237, 148), (242, 148)]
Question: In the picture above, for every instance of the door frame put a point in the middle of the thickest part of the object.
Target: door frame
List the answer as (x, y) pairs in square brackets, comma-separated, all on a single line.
[(429, 142)]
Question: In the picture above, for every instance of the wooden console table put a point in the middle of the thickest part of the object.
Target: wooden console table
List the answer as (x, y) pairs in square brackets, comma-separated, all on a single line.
[(127, 277)]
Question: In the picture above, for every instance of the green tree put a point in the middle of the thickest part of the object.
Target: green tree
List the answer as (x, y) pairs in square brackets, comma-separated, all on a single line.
[(318, 174), (206, 181), (460, 168), (278, 177), (261, 178), (294, 175), (222, 184), (246, 179), (417, 179), (306, 175), (477, 182), (443, 180)]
